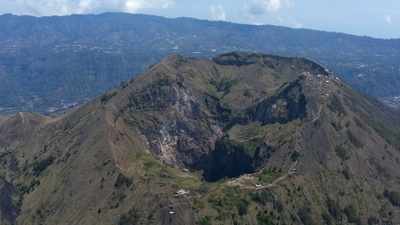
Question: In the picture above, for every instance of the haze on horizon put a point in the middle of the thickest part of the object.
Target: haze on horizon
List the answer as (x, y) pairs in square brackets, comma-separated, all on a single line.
[(373, 18)]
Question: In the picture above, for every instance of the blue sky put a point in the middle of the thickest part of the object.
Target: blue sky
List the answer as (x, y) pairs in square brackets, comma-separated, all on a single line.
[(376, 18)]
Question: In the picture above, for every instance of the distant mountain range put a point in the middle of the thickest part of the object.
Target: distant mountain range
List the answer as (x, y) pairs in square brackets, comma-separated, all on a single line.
[(51, 63), (240, 138)]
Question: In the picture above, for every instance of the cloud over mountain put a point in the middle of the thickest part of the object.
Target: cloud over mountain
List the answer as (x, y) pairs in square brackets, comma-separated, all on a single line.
[(258, 7), (64, 7), (218, 12)]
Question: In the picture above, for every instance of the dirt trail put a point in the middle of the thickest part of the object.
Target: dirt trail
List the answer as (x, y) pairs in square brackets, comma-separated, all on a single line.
[(248, 178), (110, 140), (21, 114)]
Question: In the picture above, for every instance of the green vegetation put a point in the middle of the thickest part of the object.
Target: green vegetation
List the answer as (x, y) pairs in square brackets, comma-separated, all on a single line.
[(295, 155), (337, 126), (205, 220), (328, 219), (230, 200), (247, 93), (225, 85), (353, 139), (124, 84), (346, 174), (265, 218), (105, 97), (268, 176), (149, 162), (336, 105), (382, 171), (351, 214), (385, 132), (222, 84), (359, 123), (198, 205), (25, 189), (38, 167), (306, 216), (215, 73), (373, 220), (393, 197), (262, 197), (122, 180), (334, 209), (342, 153), (133, 217)]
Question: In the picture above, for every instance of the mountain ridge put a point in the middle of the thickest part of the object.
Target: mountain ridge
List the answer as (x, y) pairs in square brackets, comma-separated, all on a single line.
[(322, 152), (76, 58)]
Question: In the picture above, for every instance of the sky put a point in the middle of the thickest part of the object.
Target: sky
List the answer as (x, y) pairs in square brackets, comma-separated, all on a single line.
[(374, 18)]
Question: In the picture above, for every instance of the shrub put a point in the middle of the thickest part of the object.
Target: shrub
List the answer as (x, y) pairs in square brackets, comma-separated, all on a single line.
[(353, 139), (206, 220), (372, 220), (242, 207), (105, 97), (346, 174), (334, 209), (262, 197), (268, 177), (342, 153), (351, 214), (337, 126), (42, 165), (393, 197), (130, 218), (336, 105), (121, 180), (264, 218), (328, 220), (305, 216), (295, 155)]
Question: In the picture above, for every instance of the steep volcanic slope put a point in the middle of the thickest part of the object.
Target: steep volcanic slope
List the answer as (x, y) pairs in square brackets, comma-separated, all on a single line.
[(320, 152)]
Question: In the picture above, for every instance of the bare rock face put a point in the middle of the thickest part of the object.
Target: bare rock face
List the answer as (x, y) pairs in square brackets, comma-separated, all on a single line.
[(175, 136), (288, 105)]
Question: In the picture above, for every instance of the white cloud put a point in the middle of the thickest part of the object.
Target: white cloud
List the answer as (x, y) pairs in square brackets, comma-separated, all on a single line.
[(133, 6), (258, 7), (290, 22), (218, 12), (66, 7), (388, 18)]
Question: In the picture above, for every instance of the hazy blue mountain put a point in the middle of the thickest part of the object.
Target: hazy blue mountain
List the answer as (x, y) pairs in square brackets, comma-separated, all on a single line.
[(50, 63)]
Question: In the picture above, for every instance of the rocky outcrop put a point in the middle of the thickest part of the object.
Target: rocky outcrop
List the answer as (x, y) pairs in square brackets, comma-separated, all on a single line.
[(287, 105)]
